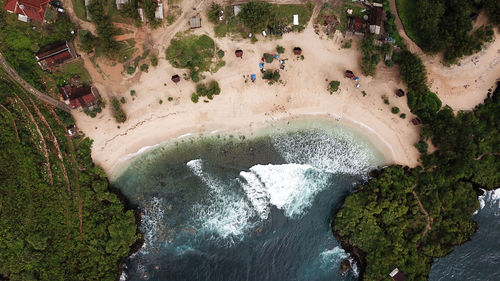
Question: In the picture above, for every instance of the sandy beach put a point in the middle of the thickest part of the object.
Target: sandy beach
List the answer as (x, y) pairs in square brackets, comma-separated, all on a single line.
[(244, 106)]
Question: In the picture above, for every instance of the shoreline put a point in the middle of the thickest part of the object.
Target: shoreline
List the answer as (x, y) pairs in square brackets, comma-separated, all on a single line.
[(376, 140)]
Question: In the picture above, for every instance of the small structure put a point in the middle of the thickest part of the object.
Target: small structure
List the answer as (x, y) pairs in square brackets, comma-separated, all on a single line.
[(78, 96), (119, 3), (54, 55), (176, 78), (28, 10), (295, 19), (238, 53), (159, 9), (195, 22), (376, 20), (253, 77), (297, 51), (349, 74), (400, 93), (397, 275), (416, 121), (72, 131), (261, 65), (236, 10)]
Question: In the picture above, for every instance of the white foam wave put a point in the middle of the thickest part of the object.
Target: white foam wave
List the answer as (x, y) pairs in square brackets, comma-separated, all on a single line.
[(226, 214), (289, 187), (339, 151), (151, 224), (491, 197), (332, 257)]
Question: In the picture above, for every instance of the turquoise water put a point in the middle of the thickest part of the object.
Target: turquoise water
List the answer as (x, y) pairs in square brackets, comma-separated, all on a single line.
[(246, 208)]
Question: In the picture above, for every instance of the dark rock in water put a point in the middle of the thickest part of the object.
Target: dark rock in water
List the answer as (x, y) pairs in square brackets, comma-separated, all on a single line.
[(345, 266)]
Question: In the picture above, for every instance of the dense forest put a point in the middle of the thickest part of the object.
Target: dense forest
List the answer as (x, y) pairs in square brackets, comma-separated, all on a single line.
[(406, 217), (58, 218), (446, 25)]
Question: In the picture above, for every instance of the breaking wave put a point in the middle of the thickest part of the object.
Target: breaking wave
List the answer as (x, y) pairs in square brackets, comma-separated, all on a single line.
[(335, 152), (289, 187), (152, 224), (491, 197), (331, 258)]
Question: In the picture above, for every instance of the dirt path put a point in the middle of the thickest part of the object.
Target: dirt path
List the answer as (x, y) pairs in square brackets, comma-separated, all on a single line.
[(42, 139), (39, 95), (70, 11), (412, 46), (75, 165), (428, 225)]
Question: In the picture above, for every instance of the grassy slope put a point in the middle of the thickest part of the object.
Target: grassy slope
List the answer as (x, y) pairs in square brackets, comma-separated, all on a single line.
[(406, 10)]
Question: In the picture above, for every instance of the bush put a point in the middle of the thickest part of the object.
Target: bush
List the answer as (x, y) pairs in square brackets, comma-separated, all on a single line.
[(160, 101), (280, 49), (154, 60), (422, 146), (130, 70), (132, 92), (144, 67), (389, 63), (220, 53), (386, 100), (118, 112), (122, 100), (333, 86), (271, 75), (402, 116), (268, 58), (347, 44), (395, 110), (170, 99), (214, 12), (194, 97)]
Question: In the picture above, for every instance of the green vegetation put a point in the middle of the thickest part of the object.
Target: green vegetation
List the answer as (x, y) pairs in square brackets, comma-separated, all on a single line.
[(105, 43), (492, 9), (122, 100), (347, 44), (386, 100), (69, 70), (129, 10), (154, 60), (255, 16), (194, 53), (333, 86), (273, 76), (208, 90), (395, 110), (280, 49), (19, 41), (59, 220), (406, 217), (149, 8), (144, 67), (402, 116), (79, 8), (445, 25), (118, 112), (370, 58), (170, 99), (268, 58), (132, 92)]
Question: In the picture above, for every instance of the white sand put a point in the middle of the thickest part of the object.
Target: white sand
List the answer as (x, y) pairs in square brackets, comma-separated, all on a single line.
[(246, 106)]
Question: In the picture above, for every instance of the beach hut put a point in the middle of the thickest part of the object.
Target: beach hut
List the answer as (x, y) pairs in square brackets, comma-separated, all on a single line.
[(297, 51), (195, 22), (349, 74), (295, 19), (238, 53), (176, 78), (400, 93), (397, 275)]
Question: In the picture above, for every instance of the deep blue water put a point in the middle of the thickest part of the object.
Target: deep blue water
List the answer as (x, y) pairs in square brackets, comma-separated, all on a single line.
[(260, 208), (234, 208)]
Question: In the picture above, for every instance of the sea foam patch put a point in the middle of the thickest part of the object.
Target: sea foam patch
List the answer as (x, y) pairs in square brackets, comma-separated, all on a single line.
[(224, 214), (152, 224), (289, 187)]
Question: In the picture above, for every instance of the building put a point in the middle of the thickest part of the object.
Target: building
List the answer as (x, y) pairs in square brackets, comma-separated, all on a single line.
[(376, 14), (397, 275), (195, 22), (28, 10), (79, 96), (119, 3), (295, 19), (236, 10), (238, 53), (158, 9), (54, 55), (176, 78), (297, 51)]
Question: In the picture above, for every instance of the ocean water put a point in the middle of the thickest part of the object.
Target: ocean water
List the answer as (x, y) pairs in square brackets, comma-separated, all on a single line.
[(478, 259), (246, 208)]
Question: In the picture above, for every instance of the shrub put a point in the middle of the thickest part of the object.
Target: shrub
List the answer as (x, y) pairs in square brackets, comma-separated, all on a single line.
[(280, 49), (364, 93), (395, 110), (386, 100), (333, 86), (160, 101), (132, 92), (144, 67), (347, 44), (118, 112), (170, 99), (271, 75), (214, 12), (194, 97), (130, 70), (389, 63), (402, 116), (122, 100), (268, 58), (422, 146), (220, 53), (154, 60)]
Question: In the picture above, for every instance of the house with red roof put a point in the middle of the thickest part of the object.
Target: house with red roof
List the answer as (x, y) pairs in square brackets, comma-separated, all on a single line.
[(79, 96), (28, 10), (54, 55)]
